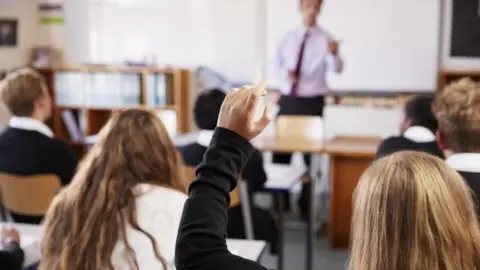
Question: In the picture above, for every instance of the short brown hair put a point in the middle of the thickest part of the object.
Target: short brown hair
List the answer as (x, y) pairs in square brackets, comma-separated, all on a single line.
[(457, 109), (20, 89)]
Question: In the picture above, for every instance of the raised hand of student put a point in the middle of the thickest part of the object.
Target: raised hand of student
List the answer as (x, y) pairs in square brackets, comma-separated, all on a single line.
[(238, 110)]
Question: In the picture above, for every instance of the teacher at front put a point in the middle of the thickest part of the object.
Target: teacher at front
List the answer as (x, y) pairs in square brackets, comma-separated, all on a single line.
[(303, 58)]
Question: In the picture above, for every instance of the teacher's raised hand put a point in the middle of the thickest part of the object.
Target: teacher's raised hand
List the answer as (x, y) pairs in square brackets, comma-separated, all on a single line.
[(333, 46), (238, 110)]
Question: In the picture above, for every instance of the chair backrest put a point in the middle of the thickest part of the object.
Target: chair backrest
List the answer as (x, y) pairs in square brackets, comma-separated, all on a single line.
[(28, 195), (299, 127), (234, 195)]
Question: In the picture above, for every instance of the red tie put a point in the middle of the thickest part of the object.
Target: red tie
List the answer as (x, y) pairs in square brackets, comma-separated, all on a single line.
[(298, 68)]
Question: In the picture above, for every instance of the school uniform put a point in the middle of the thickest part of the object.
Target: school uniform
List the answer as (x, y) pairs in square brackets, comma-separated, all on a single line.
[(201, 241), (254, 174), (27, 147), (159, 210), (468, 166), (11, 257), (415, 138)]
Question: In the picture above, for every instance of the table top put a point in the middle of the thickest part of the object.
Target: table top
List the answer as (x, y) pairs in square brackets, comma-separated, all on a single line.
[(288, 145), (30, 241), (248, 249), (282, 177), (31, 237), (353, 146)]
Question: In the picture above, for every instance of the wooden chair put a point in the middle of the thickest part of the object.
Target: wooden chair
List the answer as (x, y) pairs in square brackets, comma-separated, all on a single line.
[(300, 127), (28, 195), (239, 196)]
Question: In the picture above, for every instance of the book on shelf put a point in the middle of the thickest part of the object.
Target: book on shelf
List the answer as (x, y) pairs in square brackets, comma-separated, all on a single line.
[(97, 89), (168, 117), (74, 126), (159, 92)]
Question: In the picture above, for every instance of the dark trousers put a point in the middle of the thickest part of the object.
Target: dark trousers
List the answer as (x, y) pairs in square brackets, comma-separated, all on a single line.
[(310, 106)]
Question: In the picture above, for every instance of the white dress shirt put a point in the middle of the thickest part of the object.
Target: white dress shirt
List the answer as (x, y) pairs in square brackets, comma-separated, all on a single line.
[(317, 59), (465, 162), (31, 124), (159, 210), (419, 134)]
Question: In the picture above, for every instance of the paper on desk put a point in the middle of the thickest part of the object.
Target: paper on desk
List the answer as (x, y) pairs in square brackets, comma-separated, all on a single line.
[(27, 241), (32, 248), (283, 176)]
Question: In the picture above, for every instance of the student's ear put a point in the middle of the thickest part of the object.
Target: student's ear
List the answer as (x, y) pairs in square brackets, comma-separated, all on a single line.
[(441, 141)]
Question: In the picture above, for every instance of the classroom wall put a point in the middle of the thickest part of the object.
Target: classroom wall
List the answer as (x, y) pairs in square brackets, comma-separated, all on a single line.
[(25, 11)]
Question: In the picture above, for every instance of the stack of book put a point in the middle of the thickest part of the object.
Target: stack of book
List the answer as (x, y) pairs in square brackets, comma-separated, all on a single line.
[(99, 89), (157, 90)]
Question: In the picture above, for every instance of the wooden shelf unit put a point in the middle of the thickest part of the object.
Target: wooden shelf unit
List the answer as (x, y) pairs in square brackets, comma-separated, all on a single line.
[(95, 116), (447, 76)]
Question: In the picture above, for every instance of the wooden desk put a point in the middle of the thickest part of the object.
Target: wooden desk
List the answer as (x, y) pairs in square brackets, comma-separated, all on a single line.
[(349, 157)]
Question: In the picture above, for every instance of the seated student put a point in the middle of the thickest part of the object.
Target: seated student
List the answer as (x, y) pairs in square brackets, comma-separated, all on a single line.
[(123, 207), (201, 240), (11, 254), (407, 214), (457, 108), (408, 207), (206, 110), (417, 130), (27, 145)]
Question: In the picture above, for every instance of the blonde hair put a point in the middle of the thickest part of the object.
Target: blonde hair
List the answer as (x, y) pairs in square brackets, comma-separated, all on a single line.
[(21, 89), (457, 108), (413, 212), (88, 218)]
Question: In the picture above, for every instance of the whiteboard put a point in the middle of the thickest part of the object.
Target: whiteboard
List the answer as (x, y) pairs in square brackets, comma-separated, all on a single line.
[(387, 45)]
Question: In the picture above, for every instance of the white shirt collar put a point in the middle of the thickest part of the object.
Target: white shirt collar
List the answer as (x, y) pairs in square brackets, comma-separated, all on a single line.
[(465, 162), (27, 123), (419, 134), (204, 137)]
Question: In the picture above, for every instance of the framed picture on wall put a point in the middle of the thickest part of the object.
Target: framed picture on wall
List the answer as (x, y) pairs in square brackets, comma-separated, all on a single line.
[(8, 32)]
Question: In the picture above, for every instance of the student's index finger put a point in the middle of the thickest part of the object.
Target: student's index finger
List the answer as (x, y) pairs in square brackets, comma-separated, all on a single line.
[(260, 90)]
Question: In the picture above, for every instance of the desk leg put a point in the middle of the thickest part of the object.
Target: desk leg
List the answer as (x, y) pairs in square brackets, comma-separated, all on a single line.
[(311, 217), (281, 227)]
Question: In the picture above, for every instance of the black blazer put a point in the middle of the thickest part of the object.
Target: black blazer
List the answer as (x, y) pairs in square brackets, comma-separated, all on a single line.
[(473, 181), (201, 240), (399, 143), (26, 152), (11, 257)]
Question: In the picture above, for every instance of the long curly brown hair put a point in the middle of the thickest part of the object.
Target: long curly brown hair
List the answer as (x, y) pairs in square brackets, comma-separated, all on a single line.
[(89, 217)]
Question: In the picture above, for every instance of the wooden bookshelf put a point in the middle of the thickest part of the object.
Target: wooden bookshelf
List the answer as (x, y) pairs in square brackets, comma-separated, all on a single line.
[(93, 94), (447, 76)]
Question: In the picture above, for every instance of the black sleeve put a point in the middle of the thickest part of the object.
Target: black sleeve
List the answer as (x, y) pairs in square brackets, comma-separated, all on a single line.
[(11, 257), (64, 163), (254, 172), (201, 241)]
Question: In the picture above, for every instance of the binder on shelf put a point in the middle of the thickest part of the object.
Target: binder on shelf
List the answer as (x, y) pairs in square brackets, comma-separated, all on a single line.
[(156, 90), (73, 128)]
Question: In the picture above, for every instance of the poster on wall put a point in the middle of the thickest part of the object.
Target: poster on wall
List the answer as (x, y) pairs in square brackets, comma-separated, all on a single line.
[(8, 32)]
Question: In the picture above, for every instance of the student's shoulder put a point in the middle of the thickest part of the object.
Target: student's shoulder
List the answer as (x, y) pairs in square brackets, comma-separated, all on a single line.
[(391, 144), (158, 197), (394, 140)]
